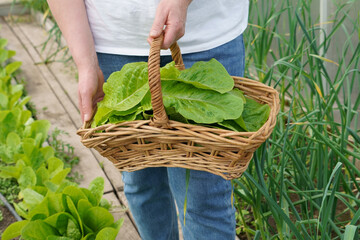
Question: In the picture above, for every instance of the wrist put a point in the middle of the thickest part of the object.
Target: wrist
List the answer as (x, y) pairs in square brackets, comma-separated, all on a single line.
[(87, 63)]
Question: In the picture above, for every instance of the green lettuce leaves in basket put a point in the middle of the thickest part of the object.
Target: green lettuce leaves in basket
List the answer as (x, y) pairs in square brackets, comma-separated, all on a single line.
[(202, 94)]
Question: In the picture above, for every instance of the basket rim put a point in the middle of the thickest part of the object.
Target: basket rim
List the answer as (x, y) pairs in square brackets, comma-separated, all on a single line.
[(87, 132)]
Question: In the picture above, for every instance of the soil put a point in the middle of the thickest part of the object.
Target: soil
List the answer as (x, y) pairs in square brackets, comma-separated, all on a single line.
[(8, 218)]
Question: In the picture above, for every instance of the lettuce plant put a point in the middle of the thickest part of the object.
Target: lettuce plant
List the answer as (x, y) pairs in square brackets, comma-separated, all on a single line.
[(52, 207), (74, 213)]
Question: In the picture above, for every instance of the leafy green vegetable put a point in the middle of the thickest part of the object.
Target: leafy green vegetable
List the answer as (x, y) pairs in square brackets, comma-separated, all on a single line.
[(12, 67), (127, 93), (208, 75), (199, 105), (97, 218), (37, 230), (204, 75), (54, 208), (14, 230), (203, 93), (74, 213), (254, 116)]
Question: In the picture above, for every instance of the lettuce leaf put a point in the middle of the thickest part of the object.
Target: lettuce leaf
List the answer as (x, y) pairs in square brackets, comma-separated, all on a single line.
[(200, 105), (254, 116), (204, 75), (126, 88)]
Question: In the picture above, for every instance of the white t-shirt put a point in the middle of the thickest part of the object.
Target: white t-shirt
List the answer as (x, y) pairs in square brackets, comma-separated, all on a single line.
[(123, 26)]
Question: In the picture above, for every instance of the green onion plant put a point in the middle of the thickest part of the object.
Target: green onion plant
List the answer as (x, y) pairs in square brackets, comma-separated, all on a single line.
[(304, 181)]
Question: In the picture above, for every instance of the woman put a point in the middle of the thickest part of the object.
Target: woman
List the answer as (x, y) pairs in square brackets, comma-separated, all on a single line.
[(103, 36)]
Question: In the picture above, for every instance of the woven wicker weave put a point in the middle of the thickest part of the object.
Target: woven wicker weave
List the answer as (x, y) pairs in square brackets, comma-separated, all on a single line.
[(160, 142)]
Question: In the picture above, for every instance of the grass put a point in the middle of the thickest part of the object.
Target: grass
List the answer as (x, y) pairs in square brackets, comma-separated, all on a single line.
[(303, 182)]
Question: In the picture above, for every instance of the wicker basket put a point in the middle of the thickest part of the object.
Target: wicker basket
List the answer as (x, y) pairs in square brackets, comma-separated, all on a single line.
[(160, 142)]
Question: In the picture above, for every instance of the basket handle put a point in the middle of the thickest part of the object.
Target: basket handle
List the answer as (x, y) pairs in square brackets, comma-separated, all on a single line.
[(160, 118)]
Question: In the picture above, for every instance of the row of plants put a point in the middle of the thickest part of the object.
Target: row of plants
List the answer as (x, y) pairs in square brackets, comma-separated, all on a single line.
[(52, 206), (304, 182)]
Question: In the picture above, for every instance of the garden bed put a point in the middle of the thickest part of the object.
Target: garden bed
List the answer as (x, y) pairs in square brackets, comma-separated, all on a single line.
[(47, 105), (8, 218)]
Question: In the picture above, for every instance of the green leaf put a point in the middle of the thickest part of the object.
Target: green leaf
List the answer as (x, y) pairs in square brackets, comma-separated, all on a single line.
[(11, 53), (24, 101), (27, 177), (38, 127), (21, 209), (17, 90), (104, 113), (10, 172), (72, 207), (169, 72), (237, 92), (40, 189), (107, 233), (13, 140), (14, 230), (42, 175), (38, 208), (24, 117), (32, 198), (38, 216), (74, 193), (118, 119), (12, 67), (117, 225), (105, 203), (232, 125), (38, 230), (47, 152), (54, 165), (60, 176), (96, 187), (83, 206), (254, 115), (3, 55), (351, 232), (28, 146), (90, 196), (65, 183), (55, 204), (4, 101), (199, 105), (97, 218), (73, 230), (3, 42), (146, 102), (208, 75), (51, 186), (59, 221), (126, 88)]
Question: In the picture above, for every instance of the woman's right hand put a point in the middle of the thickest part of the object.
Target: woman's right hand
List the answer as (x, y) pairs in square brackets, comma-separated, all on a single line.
[(90, 91), (72, 19)]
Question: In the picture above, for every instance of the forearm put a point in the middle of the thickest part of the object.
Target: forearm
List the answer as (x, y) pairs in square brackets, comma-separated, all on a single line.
[(72, 19)]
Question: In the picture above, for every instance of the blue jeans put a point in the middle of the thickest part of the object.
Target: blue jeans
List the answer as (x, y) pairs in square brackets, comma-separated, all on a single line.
[(152, 192)]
